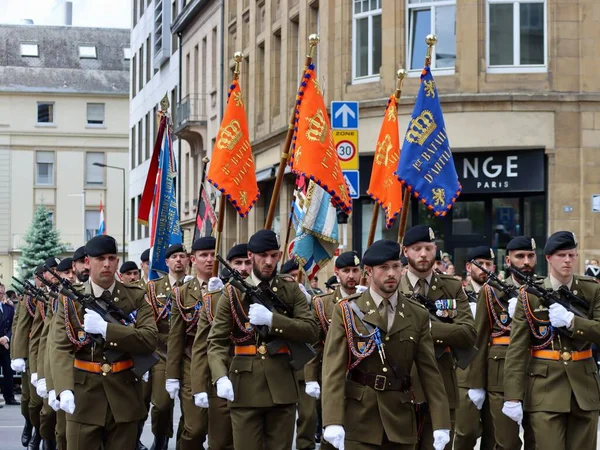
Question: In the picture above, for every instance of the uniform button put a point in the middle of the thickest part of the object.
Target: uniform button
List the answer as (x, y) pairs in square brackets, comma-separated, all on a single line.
[(566, 363), (385, 369), (411, 338), (495, 357), (387, 338), (103, 374), (236, 371), (262, 357), (274, 289), (281, 331)]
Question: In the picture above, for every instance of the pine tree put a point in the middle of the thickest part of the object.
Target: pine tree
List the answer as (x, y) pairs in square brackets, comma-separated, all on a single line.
[(42, 240)]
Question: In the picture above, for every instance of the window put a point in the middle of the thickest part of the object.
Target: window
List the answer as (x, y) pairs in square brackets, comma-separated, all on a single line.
[(94, 175), (95, 113), (516, 36), (127, 53), (87, 52), (431, 17), (44, 168), (29, 50), (45, 112), (133, 69), (366, 35), (92, 223)]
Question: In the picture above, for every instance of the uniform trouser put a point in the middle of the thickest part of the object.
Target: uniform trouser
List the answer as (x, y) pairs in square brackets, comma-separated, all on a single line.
[(47, 422), (472, 423), (35, 406), (220, 433), (307, 419), (112, 436), (576, 429), (426, 436), (196, 419), (506, 429), (162, 405), (269, 428), (386, 445), (25, 395), (61, 430)]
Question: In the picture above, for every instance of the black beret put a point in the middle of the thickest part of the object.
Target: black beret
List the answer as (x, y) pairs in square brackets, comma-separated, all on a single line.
[(289, 266), (380, 252), (101, 245), (79, 253), (263, 241), (347, 259), (419, 233), (238, 251), (204, 243), (439, 255), (561, 240), (480, 252), (52, 262), (127, 266), (331, 282), (521, 243), (39, 270), (145, 255), (65, 264), (403, 259), (175, 248)]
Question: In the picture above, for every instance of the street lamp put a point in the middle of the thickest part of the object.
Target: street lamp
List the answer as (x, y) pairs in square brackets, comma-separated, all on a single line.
[(122, 169)]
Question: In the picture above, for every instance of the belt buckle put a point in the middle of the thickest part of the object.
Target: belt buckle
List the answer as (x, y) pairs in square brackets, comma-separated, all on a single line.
[(262, 349), (106, 368), (566, 356), (380, 381)]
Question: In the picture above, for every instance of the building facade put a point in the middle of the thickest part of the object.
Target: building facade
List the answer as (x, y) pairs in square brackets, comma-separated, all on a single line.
[(63, 108)]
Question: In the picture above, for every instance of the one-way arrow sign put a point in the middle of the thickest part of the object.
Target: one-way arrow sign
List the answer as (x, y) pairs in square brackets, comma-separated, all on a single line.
[(344, 114)]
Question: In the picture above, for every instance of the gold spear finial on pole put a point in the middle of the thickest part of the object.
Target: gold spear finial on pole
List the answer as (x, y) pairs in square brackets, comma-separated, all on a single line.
[(430, 40)]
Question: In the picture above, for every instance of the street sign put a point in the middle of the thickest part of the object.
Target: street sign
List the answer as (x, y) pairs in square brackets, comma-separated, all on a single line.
[(344, 115), (346, 145), (352, 180)]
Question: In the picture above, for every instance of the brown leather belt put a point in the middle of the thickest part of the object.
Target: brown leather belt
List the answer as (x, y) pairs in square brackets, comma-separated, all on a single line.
[(250, 350), (502, 340), (381, 382), (557, 355), (94, 367)]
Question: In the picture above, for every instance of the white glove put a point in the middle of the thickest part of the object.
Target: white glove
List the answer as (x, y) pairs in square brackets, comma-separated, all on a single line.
[(146, 377), (334, 434), (440, 439), (514, 410), (34, 380), (41, 388), (477, 396), (512, 305), (93, 323), (67, 402), (172, 386), (225, 388), (259, 315), (201, 400), (473, 307), (360, 289), (215, 284), (313, 389), (305, 292), (559, 316), (18, 365), (53, 401)]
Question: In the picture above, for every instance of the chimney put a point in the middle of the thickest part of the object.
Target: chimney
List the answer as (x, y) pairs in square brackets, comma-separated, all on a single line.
[(69, 13)]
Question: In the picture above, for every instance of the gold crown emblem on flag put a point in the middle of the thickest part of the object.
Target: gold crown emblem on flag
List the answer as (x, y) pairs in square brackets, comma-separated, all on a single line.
[(421, 128), (317, 127), (230, 136)]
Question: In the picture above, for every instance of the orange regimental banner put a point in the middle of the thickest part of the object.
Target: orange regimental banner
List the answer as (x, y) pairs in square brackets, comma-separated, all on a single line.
[(385, 188), (313, 150), (232, 169)]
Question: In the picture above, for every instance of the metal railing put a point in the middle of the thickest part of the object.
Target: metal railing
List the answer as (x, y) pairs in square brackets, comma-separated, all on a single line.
[(191, 111)]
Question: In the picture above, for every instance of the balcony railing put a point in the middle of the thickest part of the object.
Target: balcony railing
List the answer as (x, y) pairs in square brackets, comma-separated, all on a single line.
[(191, 111)]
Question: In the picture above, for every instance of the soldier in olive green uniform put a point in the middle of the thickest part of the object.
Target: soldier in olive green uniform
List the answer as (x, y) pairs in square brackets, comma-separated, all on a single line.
[(145, 265), (220, 434), (161, 293), (347, 270), (103, 400), (185, 312), (81, 266), (130, 273), (374, 340), (549, 370), (261, 388), (474, 421), (452, 305)]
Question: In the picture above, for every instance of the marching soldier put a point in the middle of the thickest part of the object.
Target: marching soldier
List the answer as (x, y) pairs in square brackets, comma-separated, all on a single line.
[(373, 341), (130, 273), (493, 325), (549, 370), (474, 420), (103, 400), (185, 312), (261, 387), (220, 435), (160, 294), (80, 266), (451, 304), (145, 264), (347, 269)]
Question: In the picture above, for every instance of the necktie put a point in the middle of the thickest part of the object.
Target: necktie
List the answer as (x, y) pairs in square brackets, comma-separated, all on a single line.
[(384, 310), (422, 286)]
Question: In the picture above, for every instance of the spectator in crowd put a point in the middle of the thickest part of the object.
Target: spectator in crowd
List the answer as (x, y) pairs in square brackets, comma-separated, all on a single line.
[(7, 312), (314, 286), (593, 269)]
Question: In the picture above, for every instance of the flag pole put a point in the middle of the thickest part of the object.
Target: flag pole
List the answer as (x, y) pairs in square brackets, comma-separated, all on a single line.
[(289, 228), (205, 162), (313, 40), (238, 58), (430, 40)]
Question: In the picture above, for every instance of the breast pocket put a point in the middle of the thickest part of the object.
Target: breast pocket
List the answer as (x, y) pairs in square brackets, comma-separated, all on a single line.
[(406, 341), (536, 391), (240, 366), (495, 372), (592, 371)]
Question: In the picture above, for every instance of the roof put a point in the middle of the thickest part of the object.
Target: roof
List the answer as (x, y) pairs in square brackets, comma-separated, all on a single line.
[(59, 68)]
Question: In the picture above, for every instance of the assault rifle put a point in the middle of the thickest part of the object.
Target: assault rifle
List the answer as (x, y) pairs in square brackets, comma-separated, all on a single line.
[(52, 289), (32, 290), (462, 355), (106, 308), (494, 281), (301, 353)]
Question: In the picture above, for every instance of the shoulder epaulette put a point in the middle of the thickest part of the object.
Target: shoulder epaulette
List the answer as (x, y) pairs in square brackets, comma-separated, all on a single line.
[(415, 302), (133, 286), (588, 279), (286, 277), (353, 296)]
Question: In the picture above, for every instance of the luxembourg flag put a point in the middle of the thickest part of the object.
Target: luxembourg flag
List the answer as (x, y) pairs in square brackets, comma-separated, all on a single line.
[(102, 226)]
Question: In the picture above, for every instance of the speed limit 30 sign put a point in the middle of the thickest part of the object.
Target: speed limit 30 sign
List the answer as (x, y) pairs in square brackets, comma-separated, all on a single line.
[(346, 145)]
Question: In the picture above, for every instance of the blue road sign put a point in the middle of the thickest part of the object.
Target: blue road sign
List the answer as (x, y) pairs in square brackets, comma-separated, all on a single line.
[(352, 180), (344, 115)]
